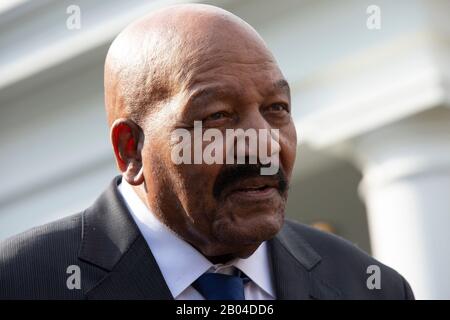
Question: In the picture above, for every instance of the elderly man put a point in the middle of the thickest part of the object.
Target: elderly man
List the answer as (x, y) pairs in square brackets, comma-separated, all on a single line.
[(192, 230)]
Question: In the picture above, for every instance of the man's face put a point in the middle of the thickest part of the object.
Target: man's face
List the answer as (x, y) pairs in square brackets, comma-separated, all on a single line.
[(222, 207)]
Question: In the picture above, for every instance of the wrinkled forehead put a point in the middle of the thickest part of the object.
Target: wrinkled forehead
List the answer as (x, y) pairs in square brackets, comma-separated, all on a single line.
[(236, 79), (230, 60)]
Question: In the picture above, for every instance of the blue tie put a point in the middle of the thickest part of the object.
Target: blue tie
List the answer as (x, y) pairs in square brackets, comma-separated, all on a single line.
[(218, 286)]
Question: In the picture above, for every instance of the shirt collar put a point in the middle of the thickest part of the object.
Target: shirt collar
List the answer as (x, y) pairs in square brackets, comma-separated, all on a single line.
[(179, 262)]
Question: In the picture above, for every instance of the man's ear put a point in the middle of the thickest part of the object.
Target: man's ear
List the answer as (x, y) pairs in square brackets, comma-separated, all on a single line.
[(127, 139)]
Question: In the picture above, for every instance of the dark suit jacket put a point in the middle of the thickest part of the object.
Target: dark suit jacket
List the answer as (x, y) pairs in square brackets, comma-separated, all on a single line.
[(116, 263)]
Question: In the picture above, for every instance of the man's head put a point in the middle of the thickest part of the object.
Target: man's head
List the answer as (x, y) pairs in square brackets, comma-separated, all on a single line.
[(190, 63)]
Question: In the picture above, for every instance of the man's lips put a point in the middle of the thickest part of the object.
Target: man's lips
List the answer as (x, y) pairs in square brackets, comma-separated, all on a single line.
[(255, 194), (256, 188)]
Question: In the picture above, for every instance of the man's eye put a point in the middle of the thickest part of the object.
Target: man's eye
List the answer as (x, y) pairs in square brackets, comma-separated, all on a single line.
[(216, 116), (278, 107)]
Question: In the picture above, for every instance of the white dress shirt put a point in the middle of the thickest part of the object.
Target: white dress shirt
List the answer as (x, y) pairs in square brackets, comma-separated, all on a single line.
[(181, 264)]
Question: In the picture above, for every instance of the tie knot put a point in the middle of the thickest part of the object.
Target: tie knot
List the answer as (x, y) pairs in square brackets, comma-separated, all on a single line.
[(218, 286)]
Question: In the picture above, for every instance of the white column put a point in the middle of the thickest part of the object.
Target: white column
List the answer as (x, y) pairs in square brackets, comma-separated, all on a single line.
[(406, 188)]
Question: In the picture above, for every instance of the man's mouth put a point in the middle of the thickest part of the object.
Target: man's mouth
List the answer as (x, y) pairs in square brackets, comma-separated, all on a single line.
[(254, 188), (263, 192)]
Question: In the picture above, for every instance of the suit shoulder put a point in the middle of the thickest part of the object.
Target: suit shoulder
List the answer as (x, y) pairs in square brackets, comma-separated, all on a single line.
[(347, 266), (323, 242), (329, 245), (34, 263), (41, 242)]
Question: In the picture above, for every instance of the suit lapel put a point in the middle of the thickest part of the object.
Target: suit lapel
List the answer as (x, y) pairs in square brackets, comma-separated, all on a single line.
[(136, 276), (293, 266), (112, 242)]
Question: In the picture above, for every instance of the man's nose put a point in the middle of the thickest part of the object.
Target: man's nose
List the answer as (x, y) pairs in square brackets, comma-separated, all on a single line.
[(256, 140)]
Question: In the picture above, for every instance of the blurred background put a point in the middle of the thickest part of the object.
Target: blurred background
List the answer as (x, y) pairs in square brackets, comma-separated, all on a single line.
[(371, 94)]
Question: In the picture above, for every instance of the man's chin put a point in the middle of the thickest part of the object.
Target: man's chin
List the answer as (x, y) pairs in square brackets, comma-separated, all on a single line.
[(250, 230)]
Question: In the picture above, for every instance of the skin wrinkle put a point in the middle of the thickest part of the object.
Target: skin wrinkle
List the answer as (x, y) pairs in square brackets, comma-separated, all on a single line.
[(152, 70)]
